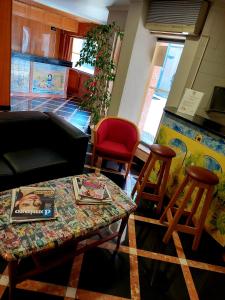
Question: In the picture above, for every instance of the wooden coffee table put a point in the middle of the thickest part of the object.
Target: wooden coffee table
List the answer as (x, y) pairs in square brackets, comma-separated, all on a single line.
[(50, 243)]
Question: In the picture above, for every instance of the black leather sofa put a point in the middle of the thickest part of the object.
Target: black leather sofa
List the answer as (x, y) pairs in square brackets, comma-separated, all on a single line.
[(38, 146)]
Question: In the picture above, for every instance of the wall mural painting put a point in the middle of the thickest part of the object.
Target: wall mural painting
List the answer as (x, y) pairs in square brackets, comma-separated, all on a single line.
[(20, 75), (181, 151), (196, 147), (48, 79)]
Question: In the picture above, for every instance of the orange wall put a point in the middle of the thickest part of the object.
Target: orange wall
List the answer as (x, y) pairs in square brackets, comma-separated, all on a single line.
[(5, 51)]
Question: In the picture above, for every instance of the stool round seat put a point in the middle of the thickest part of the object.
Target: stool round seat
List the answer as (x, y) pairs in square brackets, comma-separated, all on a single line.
[(162, 150), (203, 175)]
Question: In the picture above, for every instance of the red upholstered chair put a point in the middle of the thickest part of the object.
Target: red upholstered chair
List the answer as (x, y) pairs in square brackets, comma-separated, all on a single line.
[(115, 139)]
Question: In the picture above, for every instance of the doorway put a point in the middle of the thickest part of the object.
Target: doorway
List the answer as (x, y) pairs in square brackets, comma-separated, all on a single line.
[(164, 65)]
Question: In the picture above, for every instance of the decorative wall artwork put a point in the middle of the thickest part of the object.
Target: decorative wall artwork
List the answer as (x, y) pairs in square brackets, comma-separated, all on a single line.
[(20, 75), (48, 79), (207, 152)]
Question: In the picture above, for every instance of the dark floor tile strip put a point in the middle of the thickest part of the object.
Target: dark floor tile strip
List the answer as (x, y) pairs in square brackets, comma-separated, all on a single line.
[(41, 105), (87, 295), (205, 266), (4, 282), (158, 256), (106, 170), (74, 277), (102, 170), (148, 220), (42, 287), (185, 268), (60, 106), (142, 253), (134, 275)]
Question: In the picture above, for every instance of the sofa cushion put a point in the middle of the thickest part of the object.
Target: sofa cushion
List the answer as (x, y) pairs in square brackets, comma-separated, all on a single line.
[(20, 128), (37, 159), (7, 176), (5, 170)]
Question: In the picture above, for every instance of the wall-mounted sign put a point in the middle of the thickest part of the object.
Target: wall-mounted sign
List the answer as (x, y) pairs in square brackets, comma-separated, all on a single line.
[(190, 102)]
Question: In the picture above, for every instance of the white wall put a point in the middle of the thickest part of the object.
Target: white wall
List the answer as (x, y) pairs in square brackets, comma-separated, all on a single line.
[(202, 64), (211, 71), (118, 15), (133, 66), (133, 96), (207, 57)]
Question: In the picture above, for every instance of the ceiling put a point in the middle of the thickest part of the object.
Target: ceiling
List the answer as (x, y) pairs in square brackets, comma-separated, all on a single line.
[(93, 10)]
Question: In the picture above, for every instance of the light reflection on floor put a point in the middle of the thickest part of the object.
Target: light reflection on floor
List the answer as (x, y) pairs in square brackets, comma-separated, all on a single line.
[(65, 108)]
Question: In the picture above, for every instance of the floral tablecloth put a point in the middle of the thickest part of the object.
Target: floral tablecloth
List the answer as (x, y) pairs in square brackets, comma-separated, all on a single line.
[(20, 240)]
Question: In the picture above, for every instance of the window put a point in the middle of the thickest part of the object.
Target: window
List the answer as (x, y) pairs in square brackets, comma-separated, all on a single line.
[(77, 46)]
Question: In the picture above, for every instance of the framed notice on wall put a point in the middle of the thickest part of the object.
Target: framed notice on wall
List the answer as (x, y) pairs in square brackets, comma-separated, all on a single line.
[(190, 102)]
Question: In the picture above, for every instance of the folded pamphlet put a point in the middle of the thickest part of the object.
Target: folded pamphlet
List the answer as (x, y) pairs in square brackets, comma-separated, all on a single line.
[(91, 190)]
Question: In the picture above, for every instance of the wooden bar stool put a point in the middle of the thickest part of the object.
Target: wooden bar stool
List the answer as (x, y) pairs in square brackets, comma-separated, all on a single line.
[(163, 155), (202, 179)]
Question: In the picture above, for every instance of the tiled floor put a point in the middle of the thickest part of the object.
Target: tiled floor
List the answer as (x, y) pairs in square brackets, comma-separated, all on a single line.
[(144, 267), (65, 108)]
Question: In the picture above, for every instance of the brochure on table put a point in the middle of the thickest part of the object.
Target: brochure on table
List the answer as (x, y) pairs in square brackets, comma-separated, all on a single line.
[(32, 204), (90, 190)]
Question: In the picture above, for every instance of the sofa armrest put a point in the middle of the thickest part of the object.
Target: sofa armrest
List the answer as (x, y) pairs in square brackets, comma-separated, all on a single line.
[(71, 141)]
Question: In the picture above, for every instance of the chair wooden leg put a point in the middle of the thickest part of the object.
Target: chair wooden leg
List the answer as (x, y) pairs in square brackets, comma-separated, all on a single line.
[(134, 190), (120, 167), (202, 218), (162, 187), (173, 199), (178, 214), (99, 162), (141, 175), (93, 158), (121, 229), (195, 205), (12, 267), (144, 181), (128, 169)]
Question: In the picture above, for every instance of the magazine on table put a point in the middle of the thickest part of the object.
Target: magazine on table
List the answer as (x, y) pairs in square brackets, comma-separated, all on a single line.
[(91, 190), (32, 204)]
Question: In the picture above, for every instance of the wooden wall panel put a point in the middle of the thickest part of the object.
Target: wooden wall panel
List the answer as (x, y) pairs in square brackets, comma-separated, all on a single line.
[(76, 83), (21, 9), (73, 82), (35, 14), (53, 20), (42, 40), (83, 28), (5, 52), (69, 24), (46, 15)]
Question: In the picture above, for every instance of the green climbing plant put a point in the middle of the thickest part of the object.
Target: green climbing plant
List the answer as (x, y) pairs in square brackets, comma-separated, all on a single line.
[(97, 51)]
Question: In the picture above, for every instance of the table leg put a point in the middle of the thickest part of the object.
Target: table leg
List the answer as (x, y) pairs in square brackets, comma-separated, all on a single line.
[(122, 227), (12, 267)]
